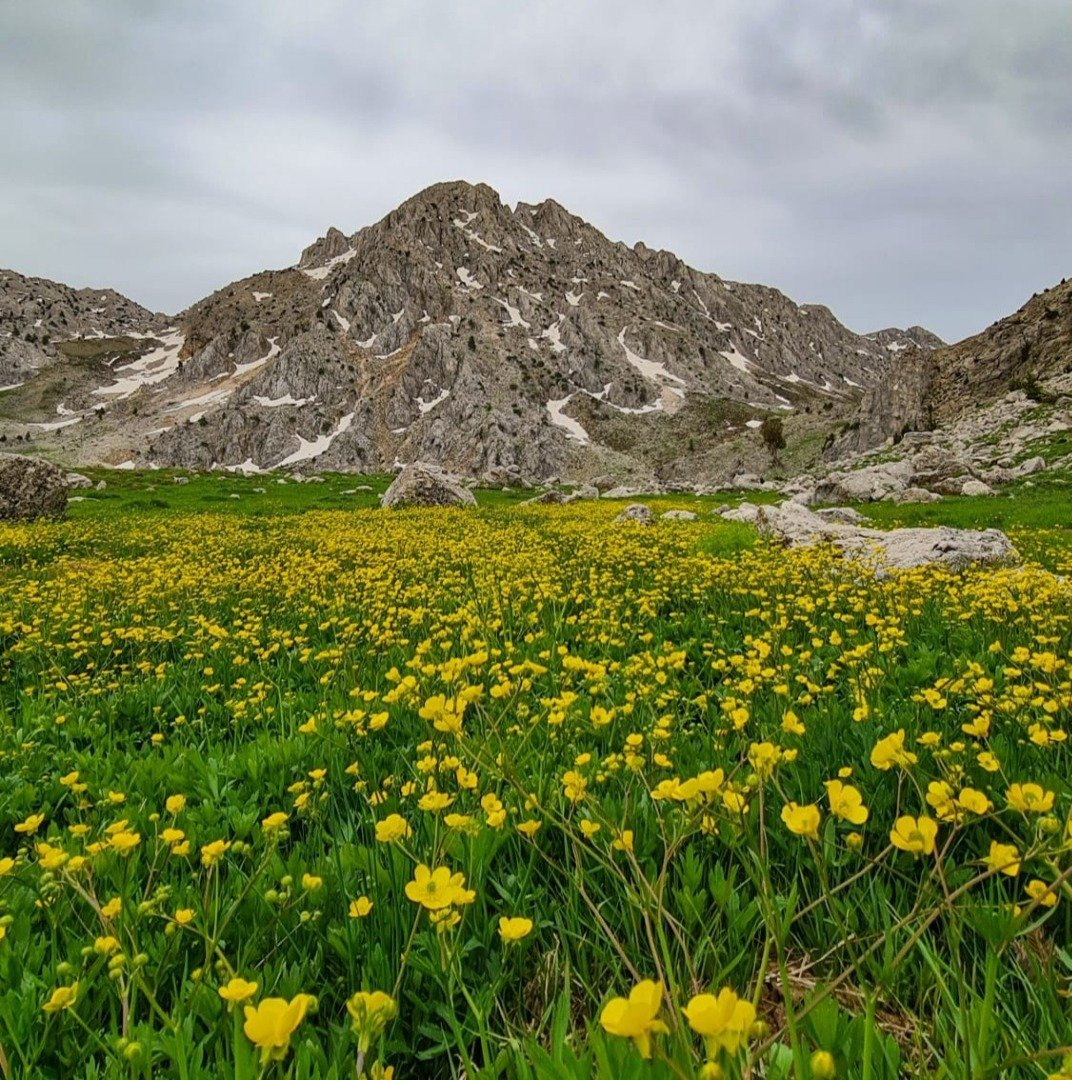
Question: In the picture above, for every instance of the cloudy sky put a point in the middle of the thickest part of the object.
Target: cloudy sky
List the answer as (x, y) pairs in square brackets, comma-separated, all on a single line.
[(904, 161)]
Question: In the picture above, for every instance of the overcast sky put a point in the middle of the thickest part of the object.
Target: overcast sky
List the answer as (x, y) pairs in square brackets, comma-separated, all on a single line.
[(903, 161)]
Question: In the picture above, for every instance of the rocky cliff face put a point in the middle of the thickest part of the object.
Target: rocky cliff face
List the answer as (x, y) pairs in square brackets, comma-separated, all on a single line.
[(936, 388), (517, 342)]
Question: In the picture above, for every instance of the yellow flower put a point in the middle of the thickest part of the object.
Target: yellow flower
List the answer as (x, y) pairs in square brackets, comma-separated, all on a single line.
[(1028, 798), (175, 804), (974, 801), (274, 822), (764, 758), (432, 889), (7, 864), (791, 723), (890, 751), (236, 991), (590, 828), (393, 827), (112, 908), (514, 928), (30, 824), (370, 1012), (802, 820), (63, 997), (623, 841), (574, 786), (915, 835), (434, 801), (184, 916), (529, 828), (846, 802), (270, 1024), (823, 1065), (311, 883), (360, 907), (1003, 858), (125, 842), (213, 852), (1041, 893), (723, 1021), (106, 945), (636, 1017)]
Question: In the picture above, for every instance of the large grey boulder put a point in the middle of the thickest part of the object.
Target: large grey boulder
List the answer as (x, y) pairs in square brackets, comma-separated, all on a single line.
[(636, 513), (941, 470), (30, 488), (678, 515), (842, 515), (551, 498), (421, 484), (1031, 466), (871, 484), (976, 487), (77, 480), (917, 495), (796, 526)]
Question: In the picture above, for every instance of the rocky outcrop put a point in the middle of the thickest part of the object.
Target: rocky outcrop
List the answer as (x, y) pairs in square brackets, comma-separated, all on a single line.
[(636, 514), (30, 488), (518, 343), (422, 484), (929, 388), (897, 549)]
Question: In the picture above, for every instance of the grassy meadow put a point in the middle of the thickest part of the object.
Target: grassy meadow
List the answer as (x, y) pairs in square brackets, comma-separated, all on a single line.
[(295, 787)]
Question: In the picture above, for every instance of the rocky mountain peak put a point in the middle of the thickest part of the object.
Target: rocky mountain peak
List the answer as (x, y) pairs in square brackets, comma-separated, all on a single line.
[(457, 330)]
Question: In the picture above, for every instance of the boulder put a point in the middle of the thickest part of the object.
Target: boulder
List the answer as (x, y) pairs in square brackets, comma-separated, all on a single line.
[(30, 488), (746, 512), (841, 515), (621, 492), (871, 484), (917, 495), (746, 482), (796, 526), (586, 491), (678, 515), (551, 498), (421, 484), (77, 480), (637, 513), (1031, 466), (976, 487), (941, 470), (603, 483)]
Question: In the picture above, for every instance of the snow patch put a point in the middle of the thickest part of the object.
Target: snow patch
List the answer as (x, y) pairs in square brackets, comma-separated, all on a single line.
[(428, 406), (513, 312), (344, 323), (466, 278), (259, 296), (571, 427), (154, 367), (554, 335), (318, 273), (573, 299), (650, 369), (286, 399), (308, 450), (274, 349), (737, 359)]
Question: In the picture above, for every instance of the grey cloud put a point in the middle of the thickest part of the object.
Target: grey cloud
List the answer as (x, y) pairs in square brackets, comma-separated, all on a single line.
[(901, 162)]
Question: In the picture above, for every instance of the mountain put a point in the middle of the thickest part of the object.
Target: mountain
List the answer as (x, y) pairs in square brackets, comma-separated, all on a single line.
[(939, 387), (510, 342)]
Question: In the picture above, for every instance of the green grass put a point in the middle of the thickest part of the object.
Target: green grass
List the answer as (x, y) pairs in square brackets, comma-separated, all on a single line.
[(299, 651)]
